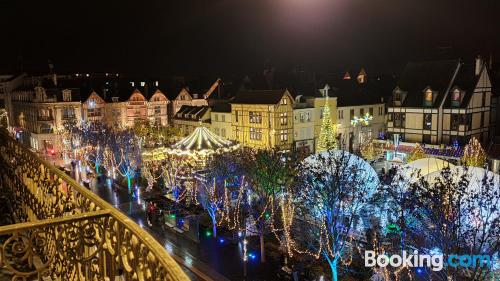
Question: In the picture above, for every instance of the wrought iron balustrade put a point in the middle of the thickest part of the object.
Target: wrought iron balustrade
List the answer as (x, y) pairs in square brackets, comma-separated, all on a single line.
[(66, 232)]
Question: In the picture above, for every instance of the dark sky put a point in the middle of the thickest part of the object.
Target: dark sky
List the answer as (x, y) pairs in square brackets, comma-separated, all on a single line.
[(240, 36)]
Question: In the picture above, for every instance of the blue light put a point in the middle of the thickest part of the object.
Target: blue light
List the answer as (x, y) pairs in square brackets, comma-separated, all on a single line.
[(420, 270), (252, 256), (221, 240)]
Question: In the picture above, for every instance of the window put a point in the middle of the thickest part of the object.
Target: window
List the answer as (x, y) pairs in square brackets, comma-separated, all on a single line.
[(68, 112), (428, 97), (255, 134), (223, 117), (426, 139), (361, 112), (283, 118), (255, 117), (370, 111), (456, 121), (284, 101), (66, 95), (223, 132), (380, 112), (305, 117), (157, 110), (216, 117), (236, 115), (455, 98), (399, 120), (217, 131), (341, 114), (351, 114), (283, 136), (427, 121)]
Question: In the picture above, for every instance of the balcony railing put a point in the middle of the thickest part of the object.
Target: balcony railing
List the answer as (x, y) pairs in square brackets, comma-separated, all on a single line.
[(45, 118), (66, 232)]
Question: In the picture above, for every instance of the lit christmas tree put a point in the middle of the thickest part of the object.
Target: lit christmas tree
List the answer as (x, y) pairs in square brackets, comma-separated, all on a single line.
[(474, 154), (417, 153), (327, 136)]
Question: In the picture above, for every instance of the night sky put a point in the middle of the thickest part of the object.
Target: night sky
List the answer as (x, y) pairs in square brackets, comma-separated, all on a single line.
[(241, 36)]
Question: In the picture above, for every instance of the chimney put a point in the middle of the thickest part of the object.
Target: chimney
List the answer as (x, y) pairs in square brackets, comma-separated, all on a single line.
[(479, 65)]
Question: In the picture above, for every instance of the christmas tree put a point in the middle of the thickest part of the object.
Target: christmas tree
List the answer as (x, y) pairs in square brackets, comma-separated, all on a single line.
[(474, 154), (417, 153), (328, 133)]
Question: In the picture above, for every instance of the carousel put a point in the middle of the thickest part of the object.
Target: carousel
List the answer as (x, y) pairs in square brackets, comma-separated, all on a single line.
[(197, 148)]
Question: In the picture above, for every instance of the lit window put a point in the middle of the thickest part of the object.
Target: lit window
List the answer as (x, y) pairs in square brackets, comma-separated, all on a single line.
[(283, 118), (283, 136), (455, 98), (284, 101), (143, 83), (428, 97)]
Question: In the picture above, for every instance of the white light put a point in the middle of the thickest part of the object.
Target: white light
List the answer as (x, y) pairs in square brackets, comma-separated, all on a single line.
[(143, 83)]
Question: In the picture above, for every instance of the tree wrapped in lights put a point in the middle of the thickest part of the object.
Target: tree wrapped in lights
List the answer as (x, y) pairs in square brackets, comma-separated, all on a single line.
[(334, 190), (416, 153), (368, 150), (474, 154), (126, 155), (328, 132), (269, 172), (212, 198), (459, 212)]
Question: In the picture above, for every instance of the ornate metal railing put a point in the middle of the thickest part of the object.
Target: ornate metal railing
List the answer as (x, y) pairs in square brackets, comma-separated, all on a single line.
[(66, 232)]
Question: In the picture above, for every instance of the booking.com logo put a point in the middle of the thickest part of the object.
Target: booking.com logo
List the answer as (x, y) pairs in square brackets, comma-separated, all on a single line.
[(434, 261)]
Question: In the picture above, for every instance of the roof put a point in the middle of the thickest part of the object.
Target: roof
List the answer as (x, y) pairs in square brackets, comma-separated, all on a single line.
[(352, 93), (202, 139), (259, 97), (466, 80), (189, 112), (221, 107), (417, 76)]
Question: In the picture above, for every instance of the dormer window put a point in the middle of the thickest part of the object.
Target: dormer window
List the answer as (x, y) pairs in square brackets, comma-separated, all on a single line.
[(428, 97), (456, 98), (67, 95), (284, 101), (114, 99)]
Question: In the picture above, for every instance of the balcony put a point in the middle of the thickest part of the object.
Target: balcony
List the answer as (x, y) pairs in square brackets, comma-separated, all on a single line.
[(45, 118), (66, 232)]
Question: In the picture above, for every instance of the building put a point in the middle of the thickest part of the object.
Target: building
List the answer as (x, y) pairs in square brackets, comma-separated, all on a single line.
[(263, 119), (41, 108), (307, 116), (360, 107), (442, 102), (188, 118), (220, 117)]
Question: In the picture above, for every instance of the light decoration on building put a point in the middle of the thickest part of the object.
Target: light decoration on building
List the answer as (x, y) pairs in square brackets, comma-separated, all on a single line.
[(365, 120)]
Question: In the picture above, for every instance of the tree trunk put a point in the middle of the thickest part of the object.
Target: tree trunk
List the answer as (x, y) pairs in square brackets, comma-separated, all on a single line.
[(214, 228), (333, 267), (129, 184), (262, 251)]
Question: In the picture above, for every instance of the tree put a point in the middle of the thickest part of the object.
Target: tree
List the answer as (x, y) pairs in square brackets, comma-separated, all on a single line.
[(211, 197), (368, 150), (269, 172), (328, 132), (416, 153), (460, 214), (126, 154), (334, 190), (474, 154)]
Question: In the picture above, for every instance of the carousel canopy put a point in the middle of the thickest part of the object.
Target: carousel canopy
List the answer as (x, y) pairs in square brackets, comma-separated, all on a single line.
[(201, 142)]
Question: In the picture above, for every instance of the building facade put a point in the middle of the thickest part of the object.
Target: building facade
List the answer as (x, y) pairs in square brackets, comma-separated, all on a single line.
[(442, 102), (263, 119), (220, 118)]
